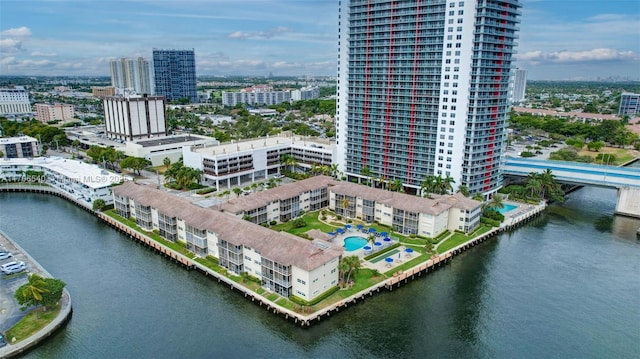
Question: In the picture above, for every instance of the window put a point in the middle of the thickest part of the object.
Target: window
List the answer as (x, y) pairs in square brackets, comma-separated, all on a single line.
[(451, 13), (460, 12), (458, 37), (450, 21), (459, 21)]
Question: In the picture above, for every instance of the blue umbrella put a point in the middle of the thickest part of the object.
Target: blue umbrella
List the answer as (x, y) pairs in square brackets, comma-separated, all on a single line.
[(387, 239), (340, 230), (360, 226), (347, 226), (409, 250), (388, 259), (384, 234), (377, 244), (366, 248), (332, 233), (372, 230)]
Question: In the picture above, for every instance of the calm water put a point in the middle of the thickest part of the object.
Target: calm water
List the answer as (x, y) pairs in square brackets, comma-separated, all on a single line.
[(567, 286)]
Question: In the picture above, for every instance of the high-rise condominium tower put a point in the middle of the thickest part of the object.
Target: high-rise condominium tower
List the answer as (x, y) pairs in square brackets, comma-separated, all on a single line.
[(175, 74), (423, 89), (132, 74), (519, 85)]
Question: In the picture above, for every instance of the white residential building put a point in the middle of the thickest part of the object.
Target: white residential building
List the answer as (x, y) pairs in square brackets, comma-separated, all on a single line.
[(284, 263), (232, 164), (256, 96), (14, 102), (83, 181), (134, 117), (19, 147)]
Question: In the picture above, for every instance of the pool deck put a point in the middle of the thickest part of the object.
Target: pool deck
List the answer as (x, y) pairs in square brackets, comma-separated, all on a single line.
[(514, 216), (361, 253)]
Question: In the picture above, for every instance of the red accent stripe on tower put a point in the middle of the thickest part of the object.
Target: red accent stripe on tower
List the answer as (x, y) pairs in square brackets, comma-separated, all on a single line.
[(367, 76), (387, 116), (413, 95)]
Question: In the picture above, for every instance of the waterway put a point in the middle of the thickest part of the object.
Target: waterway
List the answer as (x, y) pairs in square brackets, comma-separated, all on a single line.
[(565, 285)]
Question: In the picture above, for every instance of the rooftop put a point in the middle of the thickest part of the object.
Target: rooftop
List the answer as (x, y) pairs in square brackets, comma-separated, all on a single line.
[(169, 140), (264, 142), (87, 174)]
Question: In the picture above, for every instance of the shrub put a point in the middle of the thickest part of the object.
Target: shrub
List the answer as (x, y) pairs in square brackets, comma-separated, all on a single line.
[(526, 154), (206, 190), (273, 223), (493, 214), (316, 300), (370, 256), (324, 218), (489, 222), (298, 223)]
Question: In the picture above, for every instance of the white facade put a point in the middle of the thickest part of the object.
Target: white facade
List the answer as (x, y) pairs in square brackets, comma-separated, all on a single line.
[(14, 102), (519, 85), (133, 74), (18, 147), (134, 117), (232, 164), (83, 181), (156, 149), (255, 97)]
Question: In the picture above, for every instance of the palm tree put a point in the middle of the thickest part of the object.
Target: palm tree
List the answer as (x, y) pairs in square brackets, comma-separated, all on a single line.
[(334, 170), (366, 172), (288, 161), (448, 184), (354, 265), (237, 191), (31, 292), (464, 190), (343, 268), (534, 185), (478, 197), (371, 239), (496, 202), (166, 162), (254, 186), (396, 185)]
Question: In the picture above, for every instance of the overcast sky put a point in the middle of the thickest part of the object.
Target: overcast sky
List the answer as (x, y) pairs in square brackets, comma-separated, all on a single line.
[(559, 39)]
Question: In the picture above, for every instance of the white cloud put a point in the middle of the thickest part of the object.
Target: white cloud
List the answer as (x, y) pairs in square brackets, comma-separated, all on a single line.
[(266, 34), (11, 45), (44, 54), (19, 32), (599, 54)]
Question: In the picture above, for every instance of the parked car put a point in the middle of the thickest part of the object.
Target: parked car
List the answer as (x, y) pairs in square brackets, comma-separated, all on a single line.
[(278, 176), (5, 255), (13, 267)]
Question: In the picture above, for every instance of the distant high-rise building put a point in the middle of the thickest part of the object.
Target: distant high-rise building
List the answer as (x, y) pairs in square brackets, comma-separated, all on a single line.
[(258, 95), (175, 74), (519, 85), (134, 117), (423, 89), (629, 104), (132, 75), (14, 102)]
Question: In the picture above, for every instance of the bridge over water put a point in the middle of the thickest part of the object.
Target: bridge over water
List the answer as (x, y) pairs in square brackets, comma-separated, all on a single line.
[(625, 179)]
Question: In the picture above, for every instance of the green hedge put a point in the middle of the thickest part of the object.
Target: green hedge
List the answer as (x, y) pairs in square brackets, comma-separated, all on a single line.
[(206, 190), (371, 256), (489, 222), (316, 300), (440, 236)]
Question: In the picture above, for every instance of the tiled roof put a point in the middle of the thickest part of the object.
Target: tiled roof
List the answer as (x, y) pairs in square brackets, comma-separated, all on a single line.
[(435, 205), (285, 191), (280, 247)]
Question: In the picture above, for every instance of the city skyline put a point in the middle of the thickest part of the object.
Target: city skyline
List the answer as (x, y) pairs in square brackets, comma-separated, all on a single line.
[(566, 40)]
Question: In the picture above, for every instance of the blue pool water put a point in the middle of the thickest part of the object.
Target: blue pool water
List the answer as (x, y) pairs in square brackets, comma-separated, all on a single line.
[(354, 242), (507, 208)]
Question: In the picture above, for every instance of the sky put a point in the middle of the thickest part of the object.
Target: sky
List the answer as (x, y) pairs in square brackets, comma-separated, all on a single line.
[(558, 39)]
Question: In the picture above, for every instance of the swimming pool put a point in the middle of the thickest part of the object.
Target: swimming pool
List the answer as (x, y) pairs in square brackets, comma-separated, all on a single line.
[(507, 208), (354, 242)]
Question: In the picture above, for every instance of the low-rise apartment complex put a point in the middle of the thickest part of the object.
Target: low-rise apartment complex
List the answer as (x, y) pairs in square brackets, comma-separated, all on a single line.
[(285, 264), (406, 214), (54, 112)]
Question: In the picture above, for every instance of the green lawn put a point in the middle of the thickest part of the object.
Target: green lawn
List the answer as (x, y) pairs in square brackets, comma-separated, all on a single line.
[(458, 238), (363, 279), (312, 223), (173, 245), (30, 324), (417, 259)]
